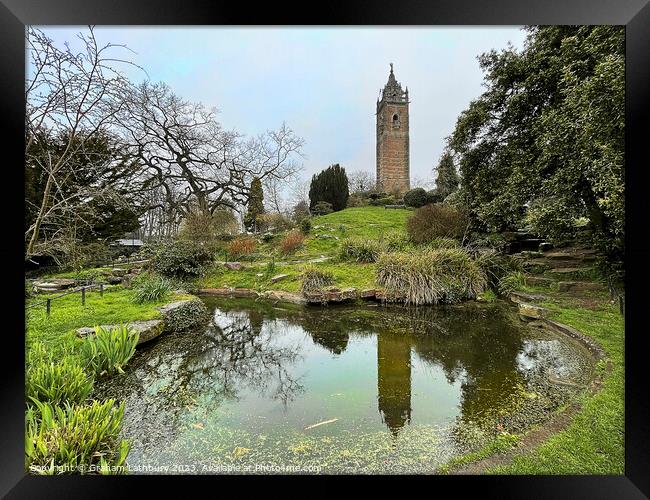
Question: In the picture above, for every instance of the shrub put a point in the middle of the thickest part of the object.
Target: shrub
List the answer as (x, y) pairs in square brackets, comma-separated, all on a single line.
[(291, 242), (108, 350), (322, 208), (241, 247), (57, 383), (181, 259), (386, 200), (511, 282), (330, 185), (496, 267), (150, 287), (395, 241), (314, 279), (431, 276), (436, 221), (442, 243), (360, 250), (552, 219), (64, 439), (416, 198), (305, 225), (273, 222)]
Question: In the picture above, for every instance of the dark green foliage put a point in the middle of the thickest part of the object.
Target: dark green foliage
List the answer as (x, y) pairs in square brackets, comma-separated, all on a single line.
[(416, 198), (300, 211), (322, 208), (305, 225), (431, 276), (255, 204), (447, 179), (62, 439), (433, 196), (180, 259), (558, 138), (436, 221), (330, 185)]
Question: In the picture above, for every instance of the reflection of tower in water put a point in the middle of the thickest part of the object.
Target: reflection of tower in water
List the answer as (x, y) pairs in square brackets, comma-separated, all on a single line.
[(394, 381)]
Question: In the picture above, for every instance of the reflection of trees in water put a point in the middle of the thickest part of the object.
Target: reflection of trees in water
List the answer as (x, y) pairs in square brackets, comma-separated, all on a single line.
[(182, 370)]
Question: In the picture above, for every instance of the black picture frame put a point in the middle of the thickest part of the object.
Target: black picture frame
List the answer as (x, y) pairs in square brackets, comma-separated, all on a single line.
[(634, 14)]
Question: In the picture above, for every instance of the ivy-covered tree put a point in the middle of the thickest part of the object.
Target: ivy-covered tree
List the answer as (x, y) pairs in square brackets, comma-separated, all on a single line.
[(447, 179), (255, 204), (549, 130), (331, 186)]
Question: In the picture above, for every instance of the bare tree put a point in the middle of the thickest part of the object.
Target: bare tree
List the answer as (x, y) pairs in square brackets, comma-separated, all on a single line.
[(186, 155), (73, 96), (360, 180)]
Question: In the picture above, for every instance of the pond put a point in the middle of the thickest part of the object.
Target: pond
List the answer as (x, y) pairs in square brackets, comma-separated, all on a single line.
[(347, 389)]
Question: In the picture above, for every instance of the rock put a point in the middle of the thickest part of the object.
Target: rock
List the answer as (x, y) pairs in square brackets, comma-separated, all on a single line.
[(184, 314), (570, 270), (54, 284), (115, 280), (530, 311), (545, 246), (519, 297), (530, 254), (135, 270), (127, 279), (580, 286), (285, 297), (233, 266), (119, 271), (279, 277), (244, 292), (538, 280), (315, 297), (349, 293), (368, 293), (148, 329)]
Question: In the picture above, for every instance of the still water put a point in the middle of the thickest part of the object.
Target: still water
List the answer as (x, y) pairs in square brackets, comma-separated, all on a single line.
[(359, 389)]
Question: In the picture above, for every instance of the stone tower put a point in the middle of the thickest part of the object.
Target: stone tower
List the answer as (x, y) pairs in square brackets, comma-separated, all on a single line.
[(393, 137)]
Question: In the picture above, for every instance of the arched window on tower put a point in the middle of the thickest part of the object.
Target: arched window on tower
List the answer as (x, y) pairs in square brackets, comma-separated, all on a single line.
[(396, 122)]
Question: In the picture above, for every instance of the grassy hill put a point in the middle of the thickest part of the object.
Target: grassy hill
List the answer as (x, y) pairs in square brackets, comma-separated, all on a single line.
[(322, 243)]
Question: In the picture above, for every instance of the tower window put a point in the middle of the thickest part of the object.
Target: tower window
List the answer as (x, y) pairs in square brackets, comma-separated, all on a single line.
[(396, 122)]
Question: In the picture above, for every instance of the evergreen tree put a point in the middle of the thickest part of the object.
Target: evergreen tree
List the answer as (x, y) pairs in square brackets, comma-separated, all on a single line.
[(255, 204), (447, 180), (331, 186)]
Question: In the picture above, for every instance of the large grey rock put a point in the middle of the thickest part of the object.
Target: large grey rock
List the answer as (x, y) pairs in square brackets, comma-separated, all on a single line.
[(148, 329), (279, 277), (530, 311), (54, 284), (184, 314)]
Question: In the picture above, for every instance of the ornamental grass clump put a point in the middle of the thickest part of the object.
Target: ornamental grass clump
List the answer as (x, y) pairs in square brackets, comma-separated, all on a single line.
[(151, 288), (291, 242), (58, 382), (109, 350), (314, 279), (71, 439), (431, 276), (360, 250)]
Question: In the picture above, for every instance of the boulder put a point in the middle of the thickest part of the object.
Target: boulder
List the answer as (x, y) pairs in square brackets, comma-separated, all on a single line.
[(519, 297), (279, 277), (115, 280), (368, 293), (530, 311), (280, 295), (148, 329), (545, 246), (233, 266), (184, 314), (119, 271), (54, 284)]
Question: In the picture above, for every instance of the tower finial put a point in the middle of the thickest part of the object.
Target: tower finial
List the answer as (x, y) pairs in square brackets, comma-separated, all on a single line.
[(391, 67)]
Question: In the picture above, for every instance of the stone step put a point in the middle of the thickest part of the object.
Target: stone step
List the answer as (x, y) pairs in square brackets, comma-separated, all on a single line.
[(570, 256), (530, 311), (569, 270), (580, 286), (538, 281), (522, 297)]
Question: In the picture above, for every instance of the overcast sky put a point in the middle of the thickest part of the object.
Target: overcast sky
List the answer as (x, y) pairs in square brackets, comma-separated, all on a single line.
[(323, 82)]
